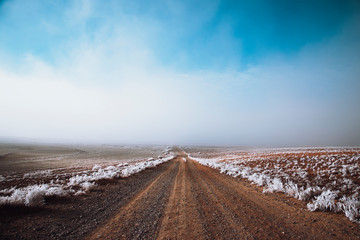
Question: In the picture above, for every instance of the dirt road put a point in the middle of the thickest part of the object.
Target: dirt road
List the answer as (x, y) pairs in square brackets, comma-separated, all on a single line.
[(203, 204), (180, 199)]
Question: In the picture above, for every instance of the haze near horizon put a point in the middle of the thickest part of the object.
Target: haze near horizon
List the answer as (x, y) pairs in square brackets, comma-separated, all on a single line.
[(181, 72)]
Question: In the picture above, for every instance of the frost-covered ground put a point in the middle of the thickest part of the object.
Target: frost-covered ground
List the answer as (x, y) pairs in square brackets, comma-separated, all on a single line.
[(327, 178), (31, 188)]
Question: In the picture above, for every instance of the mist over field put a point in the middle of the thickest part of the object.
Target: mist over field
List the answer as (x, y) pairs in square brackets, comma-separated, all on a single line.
[(174, 72)]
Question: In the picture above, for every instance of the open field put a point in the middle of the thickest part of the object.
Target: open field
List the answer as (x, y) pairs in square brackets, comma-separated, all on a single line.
[(31, 173), (172, 194), (327, 178), (16, 158)]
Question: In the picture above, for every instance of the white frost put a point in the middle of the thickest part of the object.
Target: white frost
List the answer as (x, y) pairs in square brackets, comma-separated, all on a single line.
[(287, 171), (34, 195)]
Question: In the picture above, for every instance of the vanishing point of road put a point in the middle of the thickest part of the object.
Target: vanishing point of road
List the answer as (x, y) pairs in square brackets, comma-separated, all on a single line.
[(187, 200)]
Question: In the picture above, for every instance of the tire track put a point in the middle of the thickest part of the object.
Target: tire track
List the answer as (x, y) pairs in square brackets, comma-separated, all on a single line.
[(236, 205), (139, 218), (192, 201), (181, 220)]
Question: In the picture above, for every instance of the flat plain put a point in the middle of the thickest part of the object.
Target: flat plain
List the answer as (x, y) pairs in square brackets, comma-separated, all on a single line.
[(137, 192)]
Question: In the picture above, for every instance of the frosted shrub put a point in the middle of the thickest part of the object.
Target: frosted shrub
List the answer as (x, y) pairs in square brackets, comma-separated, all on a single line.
[(308, 193), (96, 167), (351, 207), (326, 177), (58, 191), (259, 179), (87, 186), (33, 196), (291, 189), (324, 202), (44, 173), (275, 185), (16, 198)]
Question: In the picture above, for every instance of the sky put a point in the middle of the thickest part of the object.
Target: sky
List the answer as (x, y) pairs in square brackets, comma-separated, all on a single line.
[(264, 73)]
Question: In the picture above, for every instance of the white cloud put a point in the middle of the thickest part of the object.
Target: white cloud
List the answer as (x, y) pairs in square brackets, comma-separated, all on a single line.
[(110, 87)]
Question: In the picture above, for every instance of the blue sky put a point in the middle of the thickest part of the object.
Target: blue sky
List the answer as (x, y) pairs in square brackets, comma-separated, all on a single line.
[(209, 34), (197, 72)]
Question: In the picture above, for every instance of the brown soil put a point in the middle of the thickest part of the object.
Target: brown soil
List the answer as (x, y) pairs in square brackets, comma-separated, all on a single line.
[(20, 159), (176, 200)]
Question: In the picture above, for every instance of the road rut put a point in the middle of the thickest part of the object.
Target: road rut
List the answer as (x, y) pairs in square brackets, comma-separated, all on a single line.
[(191, 201), (179, 199)]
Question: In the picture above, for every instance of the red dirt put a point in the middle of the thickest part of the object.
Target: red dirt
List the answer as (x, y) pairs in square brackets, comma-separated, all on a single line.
[(178, 200)]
